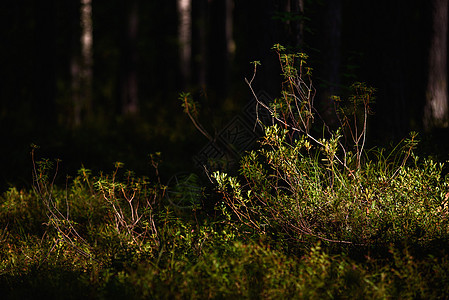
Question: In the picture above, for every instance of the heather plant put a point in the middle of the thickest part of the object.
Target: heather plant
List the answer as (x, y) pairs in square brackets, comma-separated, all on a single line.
[(304, 187)]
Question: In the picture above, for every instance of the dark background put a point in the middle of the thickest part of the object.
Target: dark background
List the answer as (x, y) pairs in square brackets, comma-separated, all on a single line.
[(383, 43)]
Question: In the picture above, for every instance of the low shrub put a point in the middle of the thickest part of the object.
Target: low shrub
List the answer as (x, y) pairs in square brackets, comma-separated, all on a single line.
[(304, 188)]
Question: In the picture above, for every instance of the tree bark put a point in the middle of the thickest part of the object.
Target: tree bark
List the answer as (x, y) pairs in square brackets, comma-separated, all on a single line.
[(296, 7), (129, 77), (44, 80), (201, 29), (332, 59), (185, 38), (436, 108), (230, 43), (300, 24), (81, 68)]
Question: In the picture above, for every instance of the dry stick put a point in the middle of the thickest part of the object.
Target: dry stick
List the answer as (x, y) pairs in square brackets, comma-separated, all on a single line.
[(364, 136), (36, 185), (130, 203), (356, 140), (326, 239), (121, 220), (255, 97), (198, 126)]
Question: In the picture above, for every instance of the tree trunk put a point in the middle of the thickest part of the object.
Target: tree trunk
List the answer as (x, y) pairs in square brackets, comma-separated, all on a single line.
[(44, 80), (81, 68), (201, 29), (436, 108), (332, 59), (185, 38), (229, 46), (129, 80), (296, 8), (300, 24)]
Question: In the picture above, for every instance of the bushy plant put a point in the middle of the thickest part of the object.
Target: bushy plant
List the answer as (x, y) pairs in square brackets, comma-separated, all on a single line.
[(303, 187)]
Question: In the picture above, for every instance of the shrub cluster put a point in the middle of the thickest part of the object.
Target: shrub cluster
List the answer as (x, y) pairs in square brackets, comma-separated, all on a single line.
[(304, 187)]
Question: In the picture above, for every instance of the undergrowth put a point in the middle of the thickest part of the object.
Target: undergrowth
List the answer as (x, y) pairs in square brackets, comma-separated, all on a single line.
[(307, 216)]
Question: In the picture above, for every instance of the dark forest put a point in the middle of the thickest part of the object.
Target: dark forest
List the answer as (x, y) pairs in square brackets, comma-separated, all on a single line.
[(128, 107), (224, 149)]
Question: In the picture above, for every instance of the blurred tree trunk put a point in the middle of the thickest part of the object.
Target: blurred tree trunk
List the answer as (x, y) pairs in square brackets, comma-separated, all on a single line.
[(230, 43), (185, 38), (128, 74), (296, 25), (44, 60), (221, 48), (201, 9), (81, 67), (395, 62), (436, 108), (332, 59), (299, 8)]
